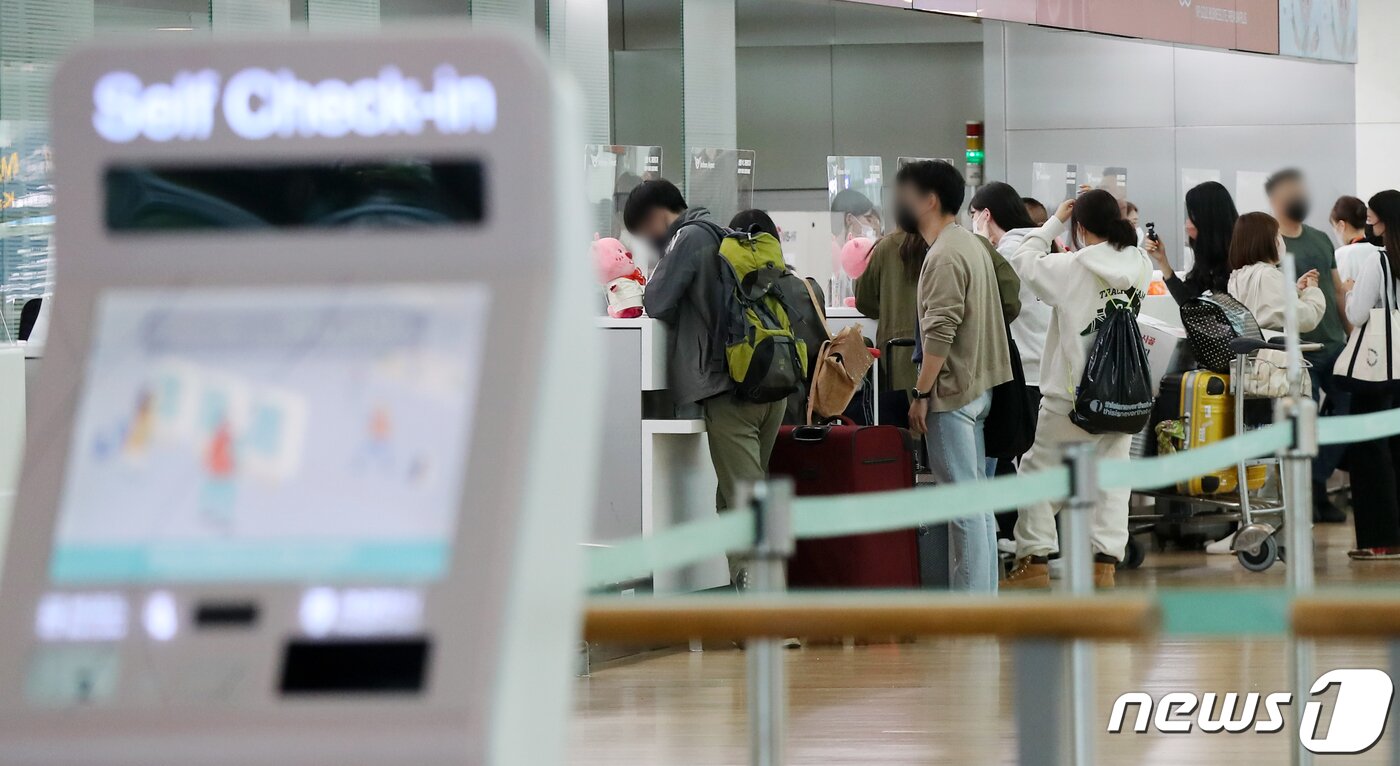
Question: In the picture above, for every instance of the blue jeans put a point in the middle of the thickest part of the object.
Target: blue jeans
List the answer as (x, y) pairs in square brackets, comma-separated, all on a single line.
[(956, 453)]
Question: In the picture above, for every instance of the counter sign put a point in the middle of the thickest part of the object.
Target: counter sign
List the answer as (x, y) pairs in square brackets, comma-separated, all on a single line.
[(257, 103)]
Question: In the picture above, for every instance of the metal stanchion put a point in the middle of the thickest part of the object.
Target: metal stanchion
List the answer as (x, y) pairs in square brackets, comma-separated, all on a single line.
[(1297, 481), (1297, 525), (1042, 666), (1079, 571), (771, 502), (1082, 462), (1040, 710), (1297, 487)]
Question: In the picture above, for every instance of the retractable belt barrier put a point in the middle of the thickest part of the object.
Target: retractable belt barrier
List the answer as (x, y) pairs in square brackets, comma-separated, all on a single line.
[(838, 515), (1047, 667)]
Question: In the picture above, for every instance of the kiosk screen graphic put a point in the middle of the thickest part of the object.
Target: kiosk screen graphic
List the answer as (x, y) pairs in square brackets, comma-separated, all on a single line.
[(236, 434)]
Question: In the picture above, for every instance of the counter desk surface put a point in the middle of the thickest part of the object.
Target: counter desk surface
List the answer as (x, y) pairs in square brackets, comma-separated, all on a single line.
[(656, 470)]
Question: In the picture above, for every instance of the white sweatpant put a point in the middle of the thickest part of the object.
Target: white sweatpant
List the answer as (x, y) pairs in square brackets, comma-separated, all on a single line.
[(1035, 524)]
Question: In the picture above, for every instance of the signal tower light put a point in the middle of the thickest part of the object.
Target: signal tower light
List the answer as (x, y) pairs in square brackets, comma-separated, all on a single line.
[(976, 154)]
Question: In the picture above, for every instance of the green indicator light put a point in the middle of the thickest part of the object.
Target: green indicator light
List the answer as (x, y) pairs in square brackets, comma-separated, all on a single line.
[(976, 156)]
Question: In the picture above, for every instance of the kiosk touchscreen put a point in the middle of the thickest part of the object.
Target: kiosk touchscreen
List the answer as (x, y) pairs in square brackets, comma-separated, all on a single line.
[(308, 459)]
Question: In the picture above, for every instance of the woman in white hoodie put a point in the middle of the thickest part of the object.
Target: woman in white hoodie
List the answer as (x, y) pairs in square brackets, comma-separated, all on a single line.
[(1257, 282), (1077, 286), (999, 214)]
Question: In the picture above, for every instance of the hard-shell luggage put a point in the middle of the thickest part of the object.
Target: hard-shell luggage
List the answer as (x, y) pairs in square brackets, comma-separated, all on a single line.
[(843, 459), (1207, 411)]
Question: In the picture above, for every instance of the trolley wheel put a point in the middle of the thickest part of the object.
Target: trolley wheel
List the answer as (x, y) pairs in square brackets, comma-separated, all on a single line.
[(1265, 558), (1135, 554)]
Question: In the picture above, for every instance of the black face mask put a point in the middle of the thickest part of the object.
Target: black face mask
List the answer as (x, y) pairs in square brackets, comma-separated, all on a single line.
[(1371, 235), (659, 245), (1297, 210), (905, 219)]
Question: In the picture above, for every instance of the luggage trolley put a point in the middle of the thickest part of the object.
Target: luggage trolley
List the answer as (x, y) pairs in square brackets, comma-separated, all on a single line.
[(1258, 511)]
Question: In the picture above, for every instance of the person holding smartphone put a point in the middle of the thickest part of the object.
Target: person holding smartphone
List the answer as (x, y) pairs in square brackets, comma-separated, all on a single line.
[(1210, 223), (1257, 282)]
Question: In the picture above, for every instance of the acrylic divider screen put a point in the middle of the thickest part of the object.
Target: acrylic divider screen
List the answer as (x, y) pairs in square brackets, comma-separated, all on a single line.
[(395, 193), (237, 434)]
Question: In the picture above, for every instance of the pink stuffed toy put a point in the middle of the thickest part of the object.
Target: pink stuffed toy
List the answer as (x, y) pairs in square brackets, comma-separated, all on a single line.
[(619, 276), (855, 256)]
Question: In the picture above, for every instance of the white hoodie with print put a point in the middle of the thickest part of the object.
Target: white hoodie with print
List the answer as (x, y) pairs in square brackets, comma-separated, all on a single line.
[(1031, 325), (1076, 286)]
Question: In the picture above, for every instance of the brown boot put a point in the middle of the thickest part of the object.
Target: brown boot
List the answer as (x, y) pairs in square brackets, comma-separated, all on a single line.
[(1031, 573), (1105, 571)]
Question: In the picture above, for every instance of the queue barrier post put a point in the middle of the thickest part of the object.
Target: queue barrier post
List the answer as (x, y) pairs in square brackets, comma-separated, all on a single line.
[(773, 544), (1049, 732), (1296, 460), (1082, 461)]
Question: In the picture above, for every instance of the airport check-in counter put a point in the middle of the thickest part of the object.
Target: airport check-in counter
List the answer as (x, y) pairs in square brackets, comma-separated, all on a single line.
[(656, 461)]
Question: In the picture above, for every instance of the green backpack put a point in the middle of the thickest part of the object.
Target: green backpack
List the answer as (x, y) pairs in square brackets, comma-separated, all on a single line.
[(767, 361)]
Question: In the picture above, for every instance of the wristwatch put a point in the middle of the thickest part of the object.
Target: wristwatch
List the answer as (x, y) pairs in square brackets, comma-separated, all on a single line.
[(915, 394)]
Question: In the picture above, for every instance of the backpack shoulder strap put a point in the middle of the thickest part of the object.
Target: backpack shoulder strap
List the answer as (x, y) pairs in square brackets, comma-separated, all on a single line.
[(816, 304)]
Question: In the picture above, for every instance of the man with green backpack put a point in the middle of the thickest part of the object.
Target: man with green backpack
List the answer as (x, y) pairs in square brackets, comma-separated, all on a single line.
[(732, 348)]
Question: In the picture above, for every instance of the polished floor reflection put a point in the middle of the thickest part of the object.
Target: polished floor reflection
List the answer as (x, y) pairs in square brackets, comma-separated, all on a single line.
[(951, 702)]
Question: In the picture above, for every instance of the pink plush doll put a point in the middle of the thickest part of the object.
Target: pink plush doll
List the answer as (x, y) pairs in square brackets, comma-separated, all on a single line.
[(855, 256), (619, 276)]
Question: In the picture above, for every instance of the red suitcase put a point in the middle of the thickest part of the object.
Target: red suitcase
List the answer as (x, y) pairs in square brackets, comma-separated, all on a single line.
[(836, 460)]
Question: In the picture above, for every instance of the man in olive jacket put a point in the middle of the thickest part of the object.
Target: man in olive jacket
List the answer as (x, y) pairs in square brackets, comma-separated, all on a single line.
[(686, 292)]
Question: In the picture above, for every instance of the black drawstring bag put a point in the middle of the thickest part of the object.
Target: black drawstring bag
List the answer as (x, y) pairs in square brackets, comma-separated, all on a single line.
[(1115, 392)]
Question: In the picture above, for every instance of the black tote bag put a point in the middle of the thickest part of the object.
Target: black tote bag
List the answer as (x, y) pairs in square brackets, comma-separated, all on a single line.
[(1010, 427)]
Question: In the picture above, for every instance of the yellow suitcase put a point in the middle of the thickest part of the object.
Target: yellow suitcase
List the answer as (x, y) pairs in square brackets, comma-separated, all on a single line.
[(1208, 413)]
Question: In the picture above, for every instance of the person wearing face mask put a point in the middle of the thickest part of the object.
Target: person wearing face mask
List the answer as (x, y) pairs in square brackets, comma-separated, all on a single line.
[(685, 292), (999, 215), (1108, 265), (1312, 250), (1348, 221), (1210, 222), (1257, 282), (888, 292), (852, 215), (1375, 465), (965, 354)]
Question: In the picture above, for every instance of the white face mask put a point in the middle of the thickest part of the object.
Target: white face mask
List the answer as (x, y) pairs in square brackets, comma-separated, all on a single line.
[(866, 230)]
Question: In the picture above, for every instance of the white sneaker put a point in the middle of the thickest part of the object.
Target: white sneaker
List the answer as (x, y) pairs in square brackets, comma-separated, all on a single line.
[(1222, 547)]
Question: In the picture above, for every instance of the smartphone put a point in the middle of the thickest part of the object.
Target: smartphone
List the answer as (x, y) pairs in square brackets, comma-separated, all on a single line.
[(1152, 231)]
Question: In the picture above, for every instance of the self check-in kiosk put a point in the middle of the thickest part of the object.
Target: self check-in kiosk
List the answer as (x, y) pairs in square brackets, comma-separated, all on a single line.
[(311, 451)]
